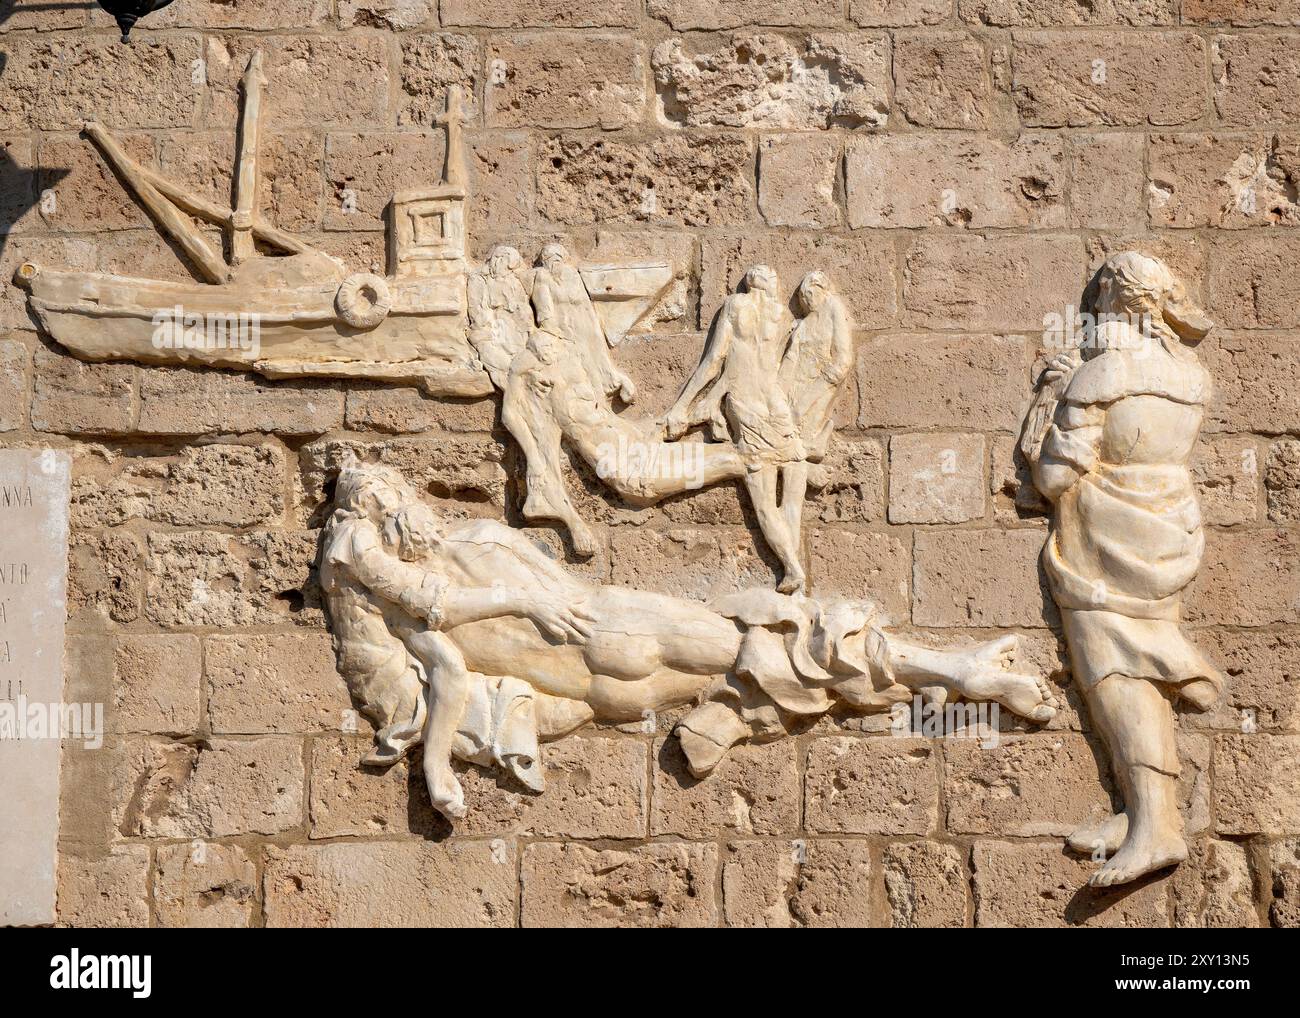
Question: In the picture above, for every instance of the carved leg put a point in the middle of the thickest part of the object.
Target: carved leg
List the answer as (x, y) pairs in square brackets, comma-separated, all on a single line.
[(981, 672), (794, 487), (761, 485), (1137, 725), (449, 687)]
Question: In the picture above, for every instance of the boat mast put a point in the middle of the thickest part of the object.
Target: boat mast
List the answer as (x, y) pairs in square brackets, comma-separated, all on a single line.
[(246, 171), (453, 170)]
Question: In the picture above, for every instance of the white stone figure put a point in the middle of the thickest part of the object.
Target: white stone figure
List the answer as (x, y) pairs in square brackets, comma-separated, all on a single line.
[(468, 638), (500, 315), (813, 372), (735, 389), (1108, 440)]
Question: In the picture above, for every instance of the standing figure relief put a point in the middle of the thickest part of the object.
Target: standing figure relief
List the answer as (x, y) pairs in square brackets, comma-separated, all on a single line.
[(1108, 439)]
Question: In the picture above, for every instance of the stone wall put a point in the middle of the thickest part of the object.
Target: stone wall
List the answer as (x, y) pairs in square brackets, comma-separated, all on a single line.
[(959, 167)]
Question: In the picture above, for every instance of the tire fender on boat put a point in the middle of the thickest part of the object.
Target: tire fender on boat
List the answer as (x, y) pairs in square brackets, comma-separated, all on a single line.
[(363, 300)]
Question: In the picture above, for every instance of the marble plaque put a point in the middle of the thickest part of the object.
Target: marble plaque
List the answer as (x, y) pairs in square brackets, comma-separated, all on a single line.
[(34, 487)]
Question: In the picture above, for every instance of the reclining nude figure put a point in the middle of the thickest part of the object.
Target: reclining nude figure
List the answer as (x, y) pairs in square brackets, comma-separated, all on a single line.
[(467, 638), (1108, 440)]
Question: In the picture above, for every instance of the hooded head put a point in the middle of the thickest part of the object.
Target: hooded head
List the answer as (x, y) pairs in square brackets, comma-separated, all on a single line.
[(1133, 284)]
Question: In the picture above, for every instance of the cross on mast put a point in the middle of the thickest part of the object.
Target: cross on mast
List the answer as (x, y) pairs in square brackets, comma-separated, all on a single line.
[(453, 170)]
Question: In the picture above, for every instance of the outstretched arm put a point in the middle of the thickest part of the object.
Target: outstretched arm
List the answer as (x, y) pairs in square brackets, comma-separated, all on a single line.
[(710, 366)]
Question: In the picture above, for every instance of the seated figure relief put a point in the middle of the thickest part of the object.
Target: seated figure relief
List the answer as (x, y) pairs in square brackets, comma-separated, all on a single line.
[(1108, 439)]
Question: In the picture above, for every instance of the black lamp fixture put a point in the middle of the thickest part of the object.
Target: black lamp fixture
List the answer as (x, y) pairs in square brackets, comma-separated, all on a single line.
[(127, 12)]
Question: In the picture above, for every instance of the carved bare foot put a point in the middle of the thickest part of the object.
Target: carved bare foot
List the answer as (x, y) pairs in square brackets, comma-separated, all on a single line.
[(445, 791), (987, 676), (792, 582), (705, 735), (1142, 853), (1108, 835)]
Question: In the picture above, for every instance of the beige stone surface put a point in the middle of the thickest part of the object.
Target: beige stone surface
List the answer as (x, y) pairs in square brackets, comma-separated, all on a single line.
[(943, 80), (660, 885), (70, 396), (430, 64), (281, 683), (14, 361), (798, 178), (686, 15), (572, 81), (1250, 74), (1044, 886), (391, 883), (981, 577), (877, 785), (156, 682), (107, 890), (1257, 784), (753, 791), (1215, 888), (785, 884), (540, 13), (201, 885), (1229, 180), (936, 478), (925, 884)]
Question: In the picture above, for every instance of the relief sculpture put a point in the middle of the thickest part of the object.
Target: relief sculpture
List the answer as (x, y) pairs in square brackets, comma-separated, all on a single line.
[(1108, 438)]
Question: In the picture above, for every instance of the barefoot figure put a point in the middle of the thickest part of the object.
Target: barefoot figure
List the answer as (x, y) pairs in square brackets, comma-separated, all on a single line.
[(735, 389), (1109, 438), (478, 617)]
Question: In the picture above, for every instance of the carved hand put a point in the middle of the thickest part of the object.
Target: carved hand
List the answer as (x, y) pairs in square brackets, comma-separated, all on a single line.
[(569, 623)]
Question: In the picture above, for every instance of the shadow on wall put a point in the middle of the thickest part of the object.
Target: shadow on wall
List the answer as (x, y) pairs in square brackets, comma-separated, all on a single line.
[(8, 8), (21, 186)]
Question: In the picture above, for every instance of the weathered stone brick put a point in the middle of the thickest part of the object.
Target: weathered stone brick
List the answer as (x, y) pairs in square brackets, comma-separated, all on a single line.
[(350, 800), (552, 79), (1230, 12), (1282, 481), (202, 578), (212, 485), (936, 478), (860, 267), (871, 565), (501, 169), (1247, 578), (1108, 181), (391, 883), (156, 683), (148, 85), (1256, 79), (925, 883), (185, 401), (1214, 888), (1257, 784), (1069, 79), (1284, 896), (784, 884), (541, 13), (215, 789), (80, 193), (979, 578), (362, 171), (914, 180), (317, 80), (14, 359), (250, 14), (667, 885), (765, 80), (105, 578), (1256, 382), (976, 282), (275, 683), (899, 13), (696, 180), (871, 786), (109, 889), (753, 791), (942, 79), (22, 18), (1026, 786), (1232, 180), (198, 885), (431, 63), (74, 397), (1250, 285), (288, 163), (1047, 13), (394, 15), (1226, 473), (689, 563), (1263, 672), (798, 175), (1033, 886), (981, 382), (685, 15), (855, 486)]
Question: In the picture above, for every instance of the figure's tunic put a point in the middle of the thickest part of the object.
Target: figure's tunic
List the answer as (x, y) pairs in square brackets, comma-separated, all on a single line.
[(564, 307), (500, 318), (1127, 537), (813, 371)]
